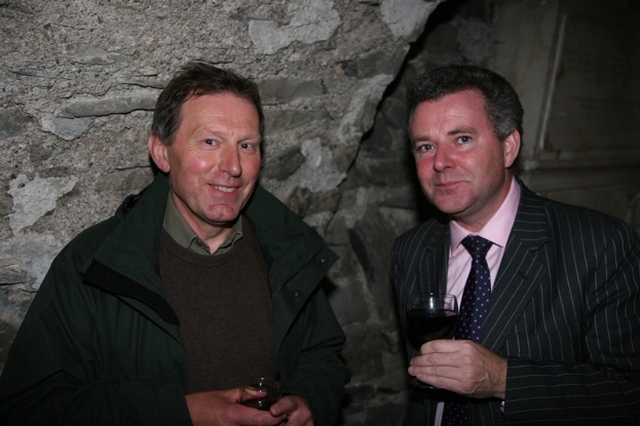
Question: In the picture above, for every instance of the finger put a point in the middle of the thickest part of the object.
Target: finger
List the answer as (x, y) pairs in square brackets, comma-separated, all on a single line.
[(253, 417), (445, 346), (284, 406)]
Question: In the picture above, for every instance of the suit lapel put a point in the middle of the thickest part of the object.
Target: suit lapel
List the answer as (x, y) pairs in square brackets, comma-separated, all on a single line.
[(522, 270), (432, 267), (424, 270), (424, 256)]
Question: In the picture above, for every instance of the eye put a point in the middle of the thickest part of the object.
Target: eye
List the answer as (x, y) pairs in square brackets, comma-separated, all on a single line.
[(424, 148), (464, 139), (249, 146), (209, 141)]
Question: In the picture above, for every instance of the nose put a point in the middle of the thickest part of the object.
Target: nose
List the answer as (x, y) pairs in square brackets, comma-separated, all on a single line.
[(230, 161), (442, 159)]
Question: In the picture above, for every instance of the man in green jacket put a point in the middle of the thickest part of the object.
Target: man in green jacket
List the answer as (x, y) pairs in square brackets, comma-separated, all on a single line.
[(200, 283)]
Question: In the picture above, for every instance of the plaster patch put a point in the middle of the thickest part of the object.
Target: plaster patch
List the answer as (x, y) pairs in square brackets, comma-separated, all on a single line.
[(29, 254), (33, 199), (312, 21), (319, 162)]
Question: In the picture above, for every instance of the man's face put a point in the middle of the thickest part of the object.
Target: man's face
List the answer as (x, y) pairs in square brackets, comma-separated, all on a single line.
[(462, 165), (214, 160)]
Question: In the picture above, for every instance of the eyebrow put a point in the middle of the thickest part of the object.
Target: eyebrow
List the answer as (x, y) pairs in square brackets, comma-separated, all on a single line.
[(454, 132), (420, 139), (460, 130), (205, 132)]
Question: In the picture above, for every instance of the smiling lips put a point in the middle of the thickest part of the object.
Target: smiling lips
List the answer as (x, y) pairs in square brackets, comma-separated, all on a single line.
[(223, 188)]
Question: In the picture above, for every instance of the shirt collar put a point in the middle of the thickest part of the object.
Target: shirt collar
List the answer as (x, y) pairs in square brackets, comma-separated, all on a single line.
[(498, 228), (178, 228)]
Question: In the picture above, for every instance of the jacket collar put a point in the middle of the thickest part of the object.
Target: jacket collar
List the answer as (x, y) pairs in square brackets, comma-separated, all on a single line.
[(126, 263)]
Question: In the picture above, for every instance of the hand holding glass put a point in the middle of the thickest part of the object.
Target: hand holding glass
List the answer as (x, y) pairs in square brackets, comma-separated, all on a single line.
[(431, 317), (261, 393)]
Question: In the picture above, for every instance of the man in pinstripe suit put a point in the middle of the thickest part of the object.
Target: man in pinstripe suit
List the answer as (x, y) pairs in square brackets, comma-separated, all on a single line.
[(560, 342)]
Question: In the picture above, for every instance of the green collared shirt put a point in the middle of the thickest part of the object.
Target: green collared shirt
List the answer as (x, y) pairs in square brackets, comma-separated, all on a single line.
[(178, 228)]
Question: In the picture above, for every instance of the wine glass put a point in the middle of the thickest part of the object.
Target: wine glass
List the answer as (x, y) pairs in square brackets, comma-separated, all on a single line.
[(430, 317), (261, 393)]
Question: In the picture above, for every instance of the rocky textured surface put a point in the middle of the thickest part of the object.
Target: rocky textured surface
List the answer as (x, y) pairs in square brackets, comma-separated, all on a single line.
[(78, 83)]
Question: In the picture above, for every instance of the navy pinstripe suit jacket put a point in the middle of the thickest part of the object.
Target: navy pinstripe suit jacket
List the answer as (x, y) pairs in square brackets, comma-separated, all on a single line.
[(564, 310)]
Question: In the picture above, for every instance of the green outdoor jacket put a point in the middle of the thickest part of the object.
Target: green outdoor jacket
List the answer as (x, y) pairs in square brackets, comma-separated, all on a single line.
[(101, 344)]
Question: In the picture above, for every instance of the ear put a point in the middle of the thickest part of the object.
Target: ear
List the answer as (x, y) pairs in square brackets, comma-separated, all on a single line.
[(158, 152), (511, 148)]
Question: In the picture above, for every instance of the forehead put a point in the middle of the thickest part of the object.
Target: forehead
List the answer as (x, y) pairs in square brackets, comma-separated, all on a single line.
[(467, 107), (222, 106), (220, 100)]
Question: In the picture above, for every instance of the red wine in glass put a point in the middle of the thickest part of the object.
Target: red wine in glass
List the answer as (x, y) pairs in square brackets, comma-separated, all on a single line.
[(431, 317), (432, 324), (260, 403)]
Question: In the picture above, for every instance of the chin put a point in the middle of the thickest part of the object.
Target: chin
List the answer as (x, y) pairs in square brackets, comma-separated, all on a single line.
[(218, 217)]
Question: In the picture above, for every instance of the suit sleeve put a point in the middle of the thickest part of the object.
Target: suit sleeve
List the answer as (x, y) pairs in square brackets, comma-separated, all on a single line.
[(606, 383)]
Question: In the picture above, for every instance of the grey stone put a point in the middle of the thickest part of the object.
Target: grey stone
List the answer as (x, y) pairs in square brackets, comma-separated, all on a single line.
[(12, 123), (395, 113), (349, 306), (362, 351), (372, 239), (361, 110), (379, 62), (13, 310), (283, 120), (306, 203), (284, 165), (311, 21), (285, 90), (32, 72), (96, 57), (40, 153), (384, 171), (6, 203), (66, 128), (406, 18), (474, 40), (10, 275), (126, 181), (145, 101)]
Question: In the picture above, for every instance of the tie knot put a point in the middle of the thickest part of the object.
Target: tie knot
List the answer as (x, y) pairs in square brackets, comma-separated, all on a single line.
[(476, 246)]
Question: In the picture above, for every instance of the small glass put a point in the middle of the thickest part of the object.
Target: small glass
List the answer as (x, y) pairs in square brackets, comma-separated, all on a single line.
[(261, 393)]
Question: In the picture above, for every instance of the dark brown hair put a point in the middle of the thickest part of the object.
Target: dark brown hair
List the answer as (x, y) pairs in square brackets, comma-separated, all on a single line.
[(503, 105), (197, 79)]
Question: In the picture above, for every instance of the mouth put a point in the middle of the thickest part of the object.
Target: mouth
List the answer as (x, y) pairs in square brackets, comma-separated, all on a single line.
[(223, 188), (446, 185)]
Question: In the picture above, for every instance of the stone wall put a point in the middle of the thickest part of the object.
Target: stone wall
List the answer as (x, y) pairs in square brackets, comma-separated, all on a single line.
[(78, 81)]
